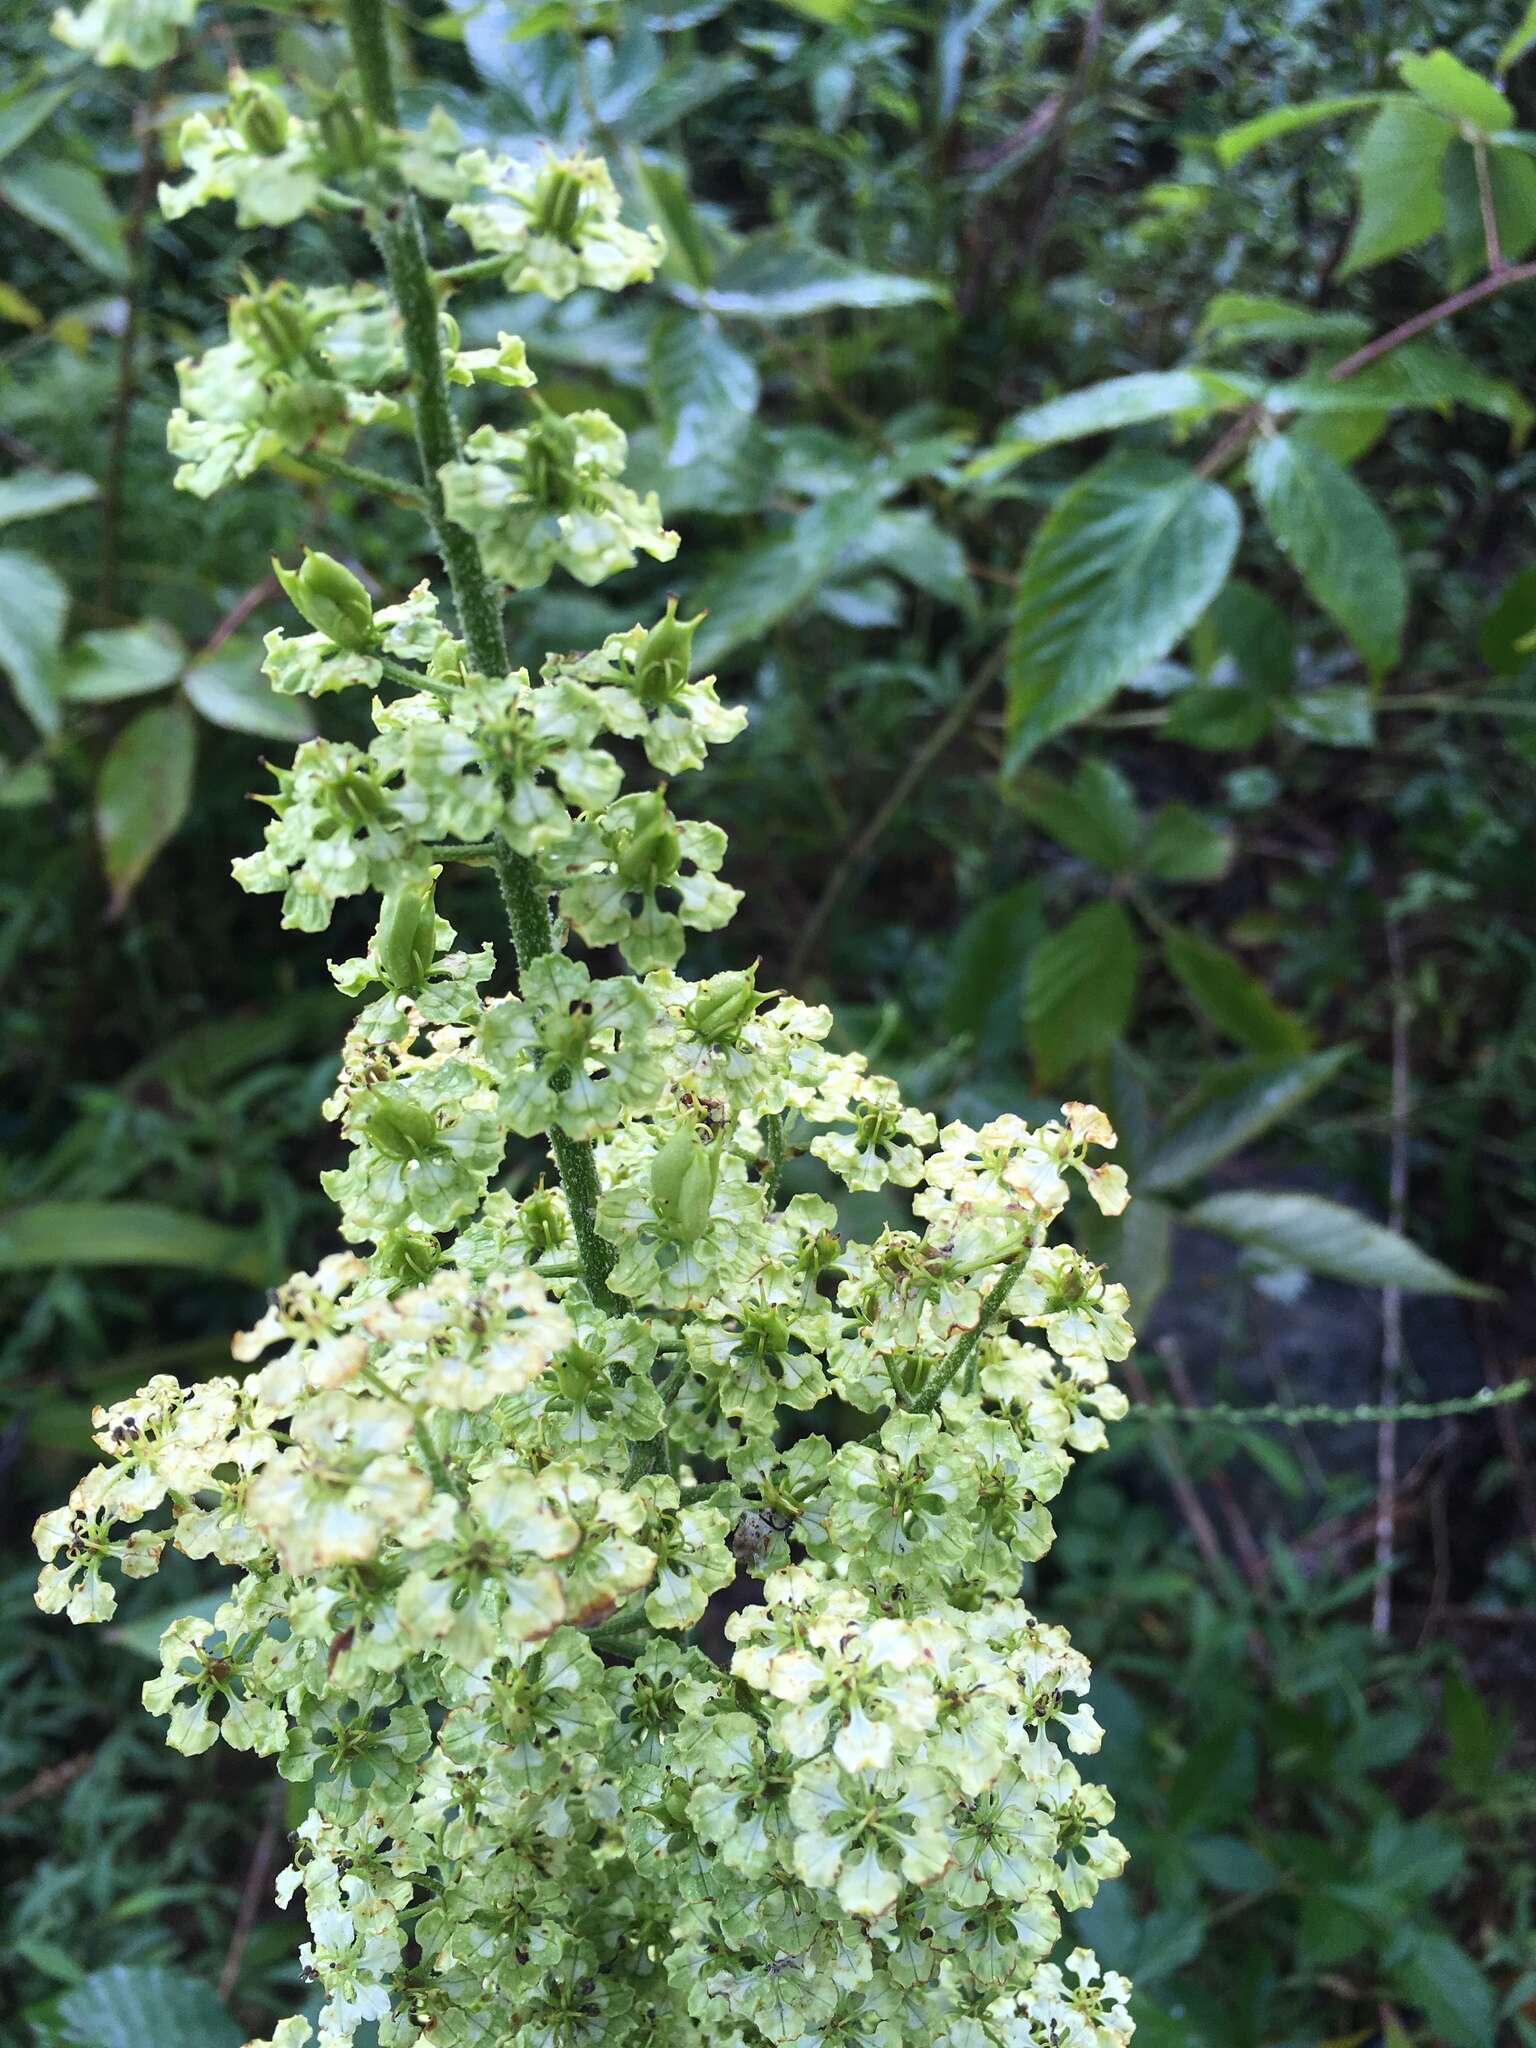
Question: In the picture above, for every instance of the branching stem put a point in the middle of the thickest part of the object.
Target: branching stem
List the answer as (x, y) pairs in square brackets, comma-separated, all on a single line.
[(991, 1308), (396, 226)]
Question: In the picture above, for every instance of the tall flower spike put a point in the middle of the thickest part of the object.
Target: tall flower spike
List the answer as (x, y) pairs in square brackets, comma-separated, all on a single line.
[(492, 1482)]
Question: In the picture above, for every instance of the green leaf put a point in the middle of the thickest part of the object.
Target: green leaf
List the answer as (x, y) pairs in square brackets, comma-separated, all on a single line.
[(1445, 83), (48, 1234), (1236, 319), (123, 661), (1251, 628), (1341, 546), (1232, 1106), (143, 792), (1422, 373), (1398, 166), (228, 688), (1120, 570), (1235, 143), (131, 2006), (1442, 1980), (1080, 989), (1345, 434), (1139, 1251), (34, 605), (747, 595), (1219, 717), (1521, 40), (912, 542), (1183, 846), (21, 118), (1096, 817), (1231, 1864), (704, 388), (1100, 408), (690, 258), (70, 202), (1325, 1237), (773, 276), (1332, 716), (1511, 621), (986, 965), (32, 492), (1226, 994)]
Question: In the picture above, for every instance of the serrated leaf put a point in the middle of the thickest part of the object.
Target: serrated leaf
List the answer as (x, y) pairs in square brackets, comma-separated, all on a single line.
[(775, 277), (1398, 168), (1446, 84), (1227, 995), (747, 595), (71, 202), (704, 388), (133, 2006), (143, 792), (1339, 542), (1100, 408), (1235, 143), (1324, 1237), (1183, 846), (34, 605), (1233, 1106), (1080, 988), (122, 661), (33, 492), (1123, 566), (228, 688), (47, 1234), (1096, 816)]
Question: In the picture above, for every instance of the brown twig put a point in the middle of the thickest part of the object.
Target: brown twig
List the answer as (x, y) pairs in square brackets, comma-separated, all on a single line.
[(50, 1779), (251, 1891), (864, 841), (1487, 208), (238, 613), (1392, 1297), (1458, 302), (146, 127)]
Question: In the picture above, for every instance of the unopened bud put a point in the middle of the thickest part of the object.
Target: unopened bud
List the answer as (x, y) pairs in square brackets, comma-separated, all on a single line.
[(346, 135), (653, 850), (331, 599), (666, 652), (405, 941), (684, 1174)]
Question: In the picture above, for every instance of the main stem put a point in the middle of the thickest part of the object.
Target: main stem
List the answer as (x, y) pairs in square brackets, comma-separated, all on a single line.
[(396, 226), (991, 1308)]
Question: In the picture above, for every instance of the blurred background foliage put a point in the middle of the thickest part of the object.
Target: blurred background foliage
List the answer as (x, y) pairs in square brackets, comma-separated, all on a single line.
[(1171, 747)]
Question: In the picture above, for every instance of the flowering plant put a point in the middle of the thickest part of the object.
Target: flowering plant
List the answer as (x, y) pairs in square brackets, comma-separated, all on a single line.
[(488, 1469)]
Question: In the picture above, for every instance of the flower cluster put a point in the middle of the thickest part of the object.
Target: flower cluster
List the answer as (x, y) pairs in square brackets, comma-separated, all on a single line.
[(628, 1559)]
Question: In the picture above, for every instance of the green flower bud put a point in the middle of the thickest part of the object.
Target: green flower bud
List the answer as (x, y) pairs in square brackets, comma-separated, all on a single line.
[(723, 1004), (557, 201), (403, 945), (258, 115), (347, 135), (684, 1175), (331, 599), (666, 653), (408, 1257), (653, 852), (401, 1129)]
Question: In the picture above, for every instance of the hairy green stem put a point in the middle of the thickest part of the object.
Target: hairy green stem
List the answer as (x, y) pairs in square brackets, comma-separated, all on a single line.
[(991, 1308), (397, 229), (375, 480)]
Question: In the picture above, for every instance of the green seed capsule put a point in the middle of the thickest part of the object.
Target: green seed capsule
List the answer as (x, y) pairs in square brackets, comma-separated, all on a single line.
[(557, 201), (409, 1257), (684, 1175), (653, 851), (403, 945), (723, 1004), (259, 116), (666, 653), (331, 599), (401, 1130)]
